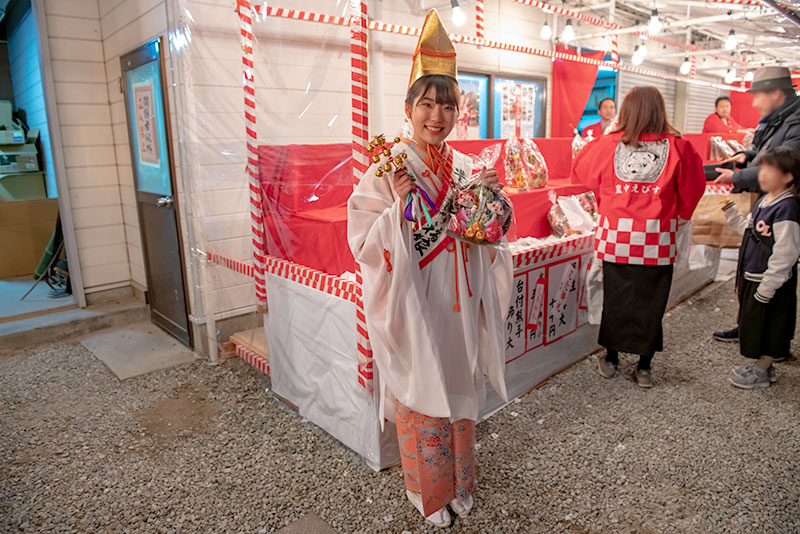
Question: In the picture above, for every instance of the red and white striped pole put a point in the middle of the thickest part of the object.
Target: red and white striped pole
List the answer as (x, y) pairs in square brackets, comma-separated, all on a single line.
[(360, 131), (248, 82), (615, 48), (480, 20)]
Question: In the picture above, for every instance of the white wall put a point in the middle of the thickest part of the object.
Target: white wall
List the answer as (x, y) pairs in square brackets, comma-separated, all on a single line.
[(77, 60), (126, 24)]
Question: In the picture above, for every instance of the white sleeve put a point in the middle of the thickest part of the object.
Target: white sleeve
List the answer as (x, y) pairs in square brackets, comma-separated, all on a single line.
[(784, 256), (736, 220)]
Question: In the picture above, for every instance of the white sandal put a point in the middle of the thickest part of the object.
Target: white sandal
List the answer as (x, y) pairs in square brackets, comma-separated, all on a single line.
[(440, 518), (462, 506)]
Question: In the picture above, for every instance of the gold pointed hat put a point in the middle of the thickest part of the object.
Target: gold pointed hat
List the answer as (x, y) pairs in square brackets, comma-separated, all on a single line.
[(435, 53)]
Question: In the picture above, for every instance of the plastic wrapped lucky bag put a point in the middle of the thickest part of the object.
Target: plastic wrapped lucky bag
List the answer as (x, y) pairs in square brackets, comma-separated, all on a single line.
[(569, 215), (736, 145), (747, 141), (518, 172), (720, 150), (579, 142), (536, 164), (479, 214)]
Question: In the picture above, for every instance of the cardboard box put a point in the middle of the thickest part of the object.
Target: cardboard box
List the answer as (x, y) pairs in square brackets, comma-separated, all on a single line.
[(13, 136), (19, 158), (22, 186), (709, 226), (25, 229)]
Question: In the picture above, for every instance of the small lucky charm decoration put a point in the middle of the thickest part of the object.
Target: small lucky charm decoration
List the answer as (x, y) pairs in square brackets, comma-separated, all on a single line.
[(379, 148)]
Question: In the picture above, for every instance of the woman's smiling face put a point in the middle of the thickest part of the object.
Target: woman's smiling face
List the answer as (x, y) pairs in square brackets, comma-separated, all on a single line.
[(432, 121)]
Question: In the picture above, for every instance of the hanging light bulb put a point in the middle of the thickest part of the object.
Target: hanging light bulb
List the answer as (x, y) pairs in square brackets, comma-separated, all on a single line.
[(731, 42), (686, 66), (547, 32), (730, 76), (459, 17), (655, 25), (748, 76), (568, 34), (638, 55)]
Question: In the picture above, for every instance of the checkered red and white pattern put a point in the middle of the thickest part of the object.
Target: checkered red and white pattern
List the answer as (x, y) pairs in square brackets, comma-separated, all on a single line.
[(645, 242), (253, 358), (556, 249), (718, 189)]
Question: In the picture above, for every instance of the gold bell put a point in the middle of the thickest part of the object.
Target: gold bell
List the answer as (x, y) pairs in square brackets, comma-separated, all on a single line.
[(387, 152), (396, 139), (379, 172), (398, 160), (387, 167), (370, 148), (376, 158)]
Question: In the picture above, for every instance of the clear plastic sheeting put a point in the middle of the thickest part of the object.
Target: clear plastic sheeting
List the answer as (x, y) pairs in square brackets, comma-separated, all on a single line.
[(264, 136), (312, 345)]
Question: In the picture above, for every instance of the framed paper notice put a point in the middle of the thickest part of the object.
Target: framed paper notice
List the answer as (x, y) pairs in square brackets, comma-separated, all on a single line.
[(146, 126)]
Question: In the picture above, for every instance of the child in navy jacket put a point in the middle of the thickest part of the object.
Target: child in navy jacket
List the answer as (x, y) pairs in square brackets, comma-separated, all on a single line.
[(767, 273)]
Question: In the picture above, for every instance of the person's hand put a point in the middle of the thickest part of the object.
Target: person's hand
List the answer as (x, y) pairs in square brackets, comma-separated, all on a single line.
[(738, 158), (403, 184), (725, 176), (488, 177)]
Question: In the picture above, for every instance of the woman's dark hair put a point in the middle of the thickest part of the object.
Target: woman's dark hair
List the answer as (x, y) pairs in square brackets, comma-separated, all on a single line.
[(446, 90), (643, 111), (721, 99), (785, 160)]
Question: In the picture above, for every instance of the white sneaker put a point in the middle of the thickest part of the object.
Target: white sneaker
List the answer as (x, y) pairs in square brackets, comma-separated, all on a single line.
[(462, 506), (440, 518)]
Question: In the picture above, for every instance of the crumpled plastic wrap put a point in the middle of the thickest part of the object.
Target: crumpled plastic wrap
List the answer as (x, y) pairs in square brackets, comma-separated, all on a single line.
[(574, 214), (536, 164), (578, 143), (479, 214), (736, 145), (720, 149), (518, 175)]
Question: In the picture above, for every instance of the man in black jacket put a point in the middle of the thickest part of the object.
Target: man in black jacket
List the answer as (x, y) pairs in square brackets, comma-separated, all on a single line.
[(779, 105)]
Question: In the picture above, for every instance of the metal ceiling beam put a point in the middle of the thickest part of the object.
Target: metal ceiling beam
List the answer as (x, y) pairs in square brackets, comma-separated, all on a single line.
[(786, 12), (672, 25)]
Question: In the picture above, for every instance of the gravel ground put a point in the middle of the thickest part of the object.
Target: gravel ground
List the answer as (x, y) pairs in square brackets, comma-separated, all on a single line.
[(207, 449)]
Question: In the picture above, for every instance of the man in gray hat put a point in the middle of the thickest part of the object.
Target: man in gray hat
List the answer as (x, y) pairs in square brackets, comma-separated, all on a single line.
[(774, 97)]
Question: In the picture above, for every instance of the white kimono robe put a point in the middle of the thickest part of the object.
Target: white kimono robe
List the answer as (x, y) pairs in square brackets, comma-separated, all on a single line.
[(428, 356)]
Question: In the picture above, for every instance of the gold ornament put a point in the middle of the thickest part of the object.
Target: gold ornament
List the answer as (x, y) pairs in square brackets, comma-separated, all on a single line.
[(379, 172)]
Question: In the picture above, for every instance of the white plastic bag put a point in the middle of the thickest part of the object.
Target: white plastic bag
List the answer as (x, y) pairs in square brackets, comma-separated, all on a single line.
[(594, 291)]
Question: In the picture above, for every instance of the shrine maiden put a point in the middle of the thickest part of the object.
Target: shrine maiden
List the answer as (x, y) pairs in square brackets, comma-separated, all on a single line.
[(434, 305), (645, 177)]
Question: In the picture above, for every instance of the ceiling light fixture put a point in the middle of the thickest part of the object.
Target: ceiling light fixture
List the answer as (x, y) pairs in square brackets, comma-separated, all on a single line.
[(731, 42), (568, 34), (686, 66), (547, 32), (459, 17), (655, 25)]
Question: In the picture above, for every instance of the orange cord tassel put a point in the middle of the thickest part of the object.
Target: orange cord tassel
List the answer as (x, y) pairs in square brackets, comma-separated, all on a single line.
[(454, 250), (464, 249)]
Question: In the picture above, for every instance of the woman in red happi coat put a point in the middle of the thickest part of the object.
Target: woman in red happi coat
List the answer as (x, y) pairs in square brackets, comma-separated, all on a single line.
[(645, 177)]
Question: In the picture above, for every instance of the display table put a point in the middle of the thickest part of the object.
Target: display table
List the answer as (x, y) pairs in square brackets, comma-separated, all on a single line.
[(313, 328)]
